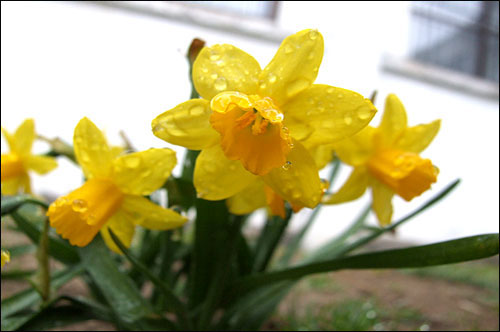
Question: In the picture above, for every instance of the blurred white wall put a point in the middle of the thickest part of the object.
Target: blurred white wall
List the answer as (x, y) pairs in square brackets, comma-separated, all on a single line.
[(61, 61)]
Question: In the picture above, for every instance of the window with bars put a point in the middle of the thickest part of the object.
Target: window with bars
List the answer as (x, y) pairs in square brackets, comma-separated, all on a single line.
[(262, 9), (457, 35)]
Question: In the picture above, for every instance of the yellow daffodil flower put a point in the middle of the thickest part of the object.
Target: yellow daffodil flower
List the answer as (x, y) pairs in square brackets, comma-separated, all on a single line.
[(387, 159), (19, 160), (252, 125), (5, 257), (112, 195)]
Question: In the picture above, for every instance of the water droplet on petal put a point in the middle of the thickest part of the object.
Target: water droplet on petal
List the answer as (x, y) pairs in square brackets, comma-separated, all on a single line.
[(146, 173), (79, 205), (263, 85), (214, 76), (132, 162), (220, 84), (288, 49), (313, 34), (340, 95), (347, 119), (85, 156), (330, 90), (272, 78), (197, 110), (364, 113), (214, 57), (286, 166), (204, 69)]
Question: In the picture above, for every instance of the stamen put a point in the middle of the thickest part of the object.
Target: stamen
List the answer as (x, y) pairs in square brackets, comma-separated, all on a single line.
[(246, 119)]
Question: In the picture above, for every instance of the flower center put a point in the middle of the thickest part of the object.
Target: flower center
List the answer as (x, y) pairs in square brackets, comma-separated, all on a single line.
[(12, 166), (81, 214), (251, 129), (404, 172)]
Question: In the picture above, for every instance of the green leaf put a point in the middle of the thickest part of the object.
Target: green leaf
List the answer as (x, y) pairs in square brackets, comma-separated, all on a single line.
[(181, 192), (249, 311), (59, 248), (335, 246), (268, 240), (174, 303), (460, 250), (223, 269), (29, 297), (360, 242), (212, 220), (53, 317), (119, 290), (12, 203), (15, 322)]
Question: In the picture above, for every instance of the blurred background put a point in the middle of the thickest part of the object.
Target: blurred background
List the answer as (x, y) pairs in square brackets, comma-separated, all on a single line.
[(123, 63)]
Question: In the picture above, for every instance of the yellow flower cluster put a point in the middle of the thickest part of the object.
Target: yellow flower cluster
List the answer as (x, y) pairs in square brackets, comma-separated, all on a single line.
[(264, 134)]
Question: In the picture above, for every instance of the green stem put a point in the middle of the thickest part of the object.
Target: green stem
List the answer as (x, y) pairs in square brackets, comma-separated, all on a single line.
[(43, 263)]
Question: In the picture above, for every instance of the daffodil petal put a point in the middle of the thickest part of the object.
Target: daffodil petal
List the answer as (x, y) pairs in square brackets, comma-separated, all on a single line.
[(248, 200), (13, 186), (294, 67), (224, 68), (353, 188), (91, 149), (10, 139), (141, 173), (216, 177), (121, 225), (417, 138), (382, 202), (394, 120), (24, 137), (41, 164), (332, 113), (357, 149), (187, 125), (298, 182), (5, 257), (322, 154), (145, 213)]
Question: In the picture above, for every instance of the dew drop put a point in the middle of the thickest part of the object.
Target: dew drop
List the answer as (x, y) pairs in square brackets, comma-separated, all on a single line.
[(132, 162), (214, 76), (197, 110), (214, 57), (263, 85), (79, 205), (364, 113), (286, 166), (91, 219), (313, 34), (272, 78), (85, 156), (146, 173), (296, 194), (220, 84), (288, 49), (204, 69), (340, 96), (347, 119), (330, 90)]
